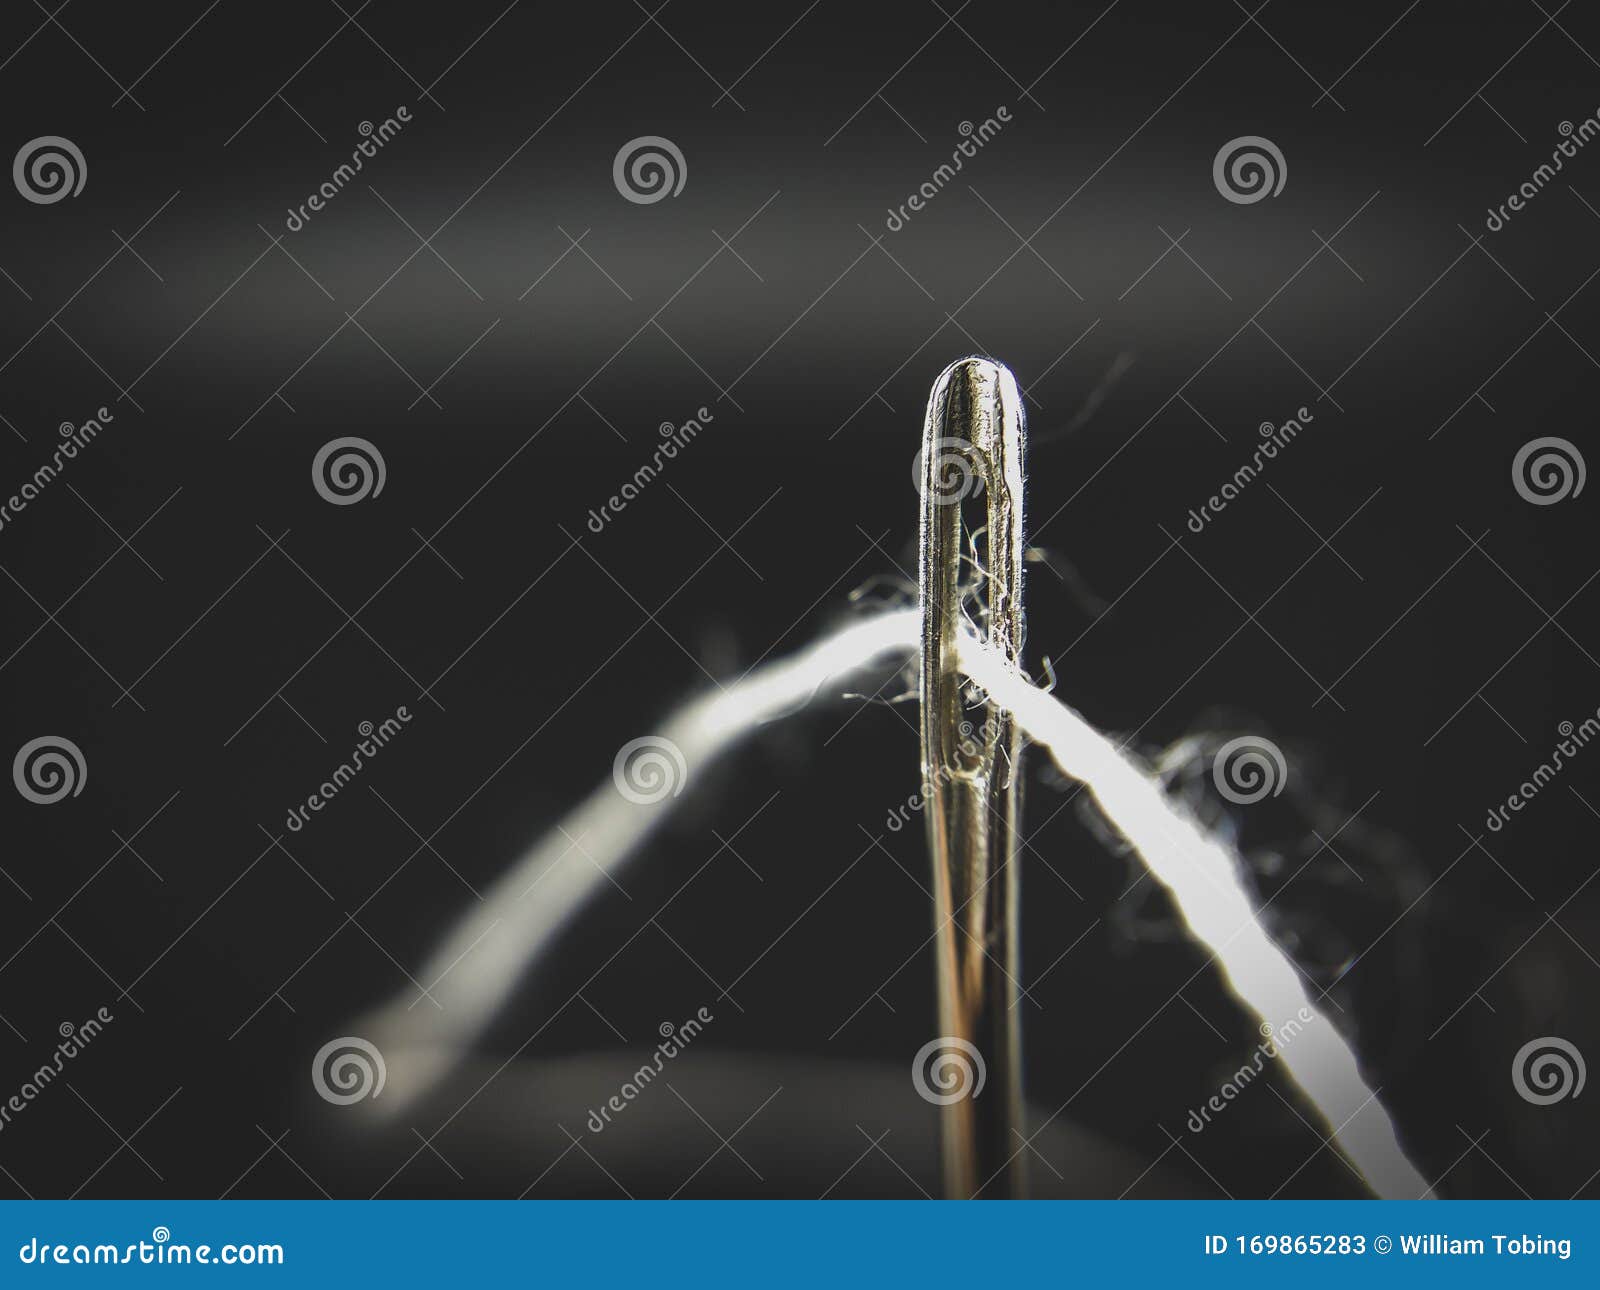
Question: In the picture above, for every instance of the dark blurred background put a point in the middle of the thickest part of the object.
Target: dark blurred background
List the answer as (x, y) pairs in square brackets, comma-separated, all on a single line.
[(184, 606)]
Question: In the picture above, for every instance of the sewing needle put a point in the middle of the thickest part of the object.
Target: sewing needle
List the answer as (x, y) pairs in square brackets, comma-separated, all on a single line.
[(972, 459)]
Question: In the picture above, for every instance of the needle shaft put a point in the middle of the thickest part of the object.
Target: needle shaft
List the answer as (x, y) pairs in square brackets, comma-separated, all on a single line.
[(972, 463)]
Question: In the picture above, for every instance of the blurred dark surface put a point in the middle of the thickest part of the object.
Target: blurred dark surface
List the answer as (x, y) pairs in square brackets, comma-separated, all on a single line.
[(701, 1134), (185, 607)]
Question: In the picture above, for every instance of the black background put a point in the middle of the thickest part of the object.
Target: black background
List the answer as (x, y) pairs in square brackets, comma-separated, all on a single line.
[(209, 631)]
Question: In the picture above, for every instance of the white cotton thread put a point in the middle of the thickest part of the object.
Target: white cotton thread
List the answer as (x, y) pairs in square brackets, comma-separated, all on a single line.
[(1203, 876), (478, 966)]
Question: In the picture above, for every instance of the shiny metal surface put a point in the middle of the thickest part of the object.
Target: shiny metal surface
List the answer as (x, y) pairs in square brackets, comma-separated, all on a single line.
[(971, 570)]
